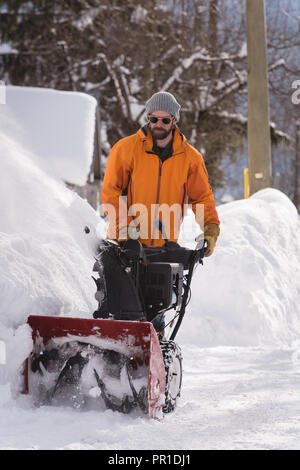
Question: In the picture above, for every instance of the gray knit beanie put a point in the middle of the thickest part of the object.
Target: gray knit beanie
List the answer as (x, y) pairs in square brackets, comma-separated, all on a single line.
[(163, 101)]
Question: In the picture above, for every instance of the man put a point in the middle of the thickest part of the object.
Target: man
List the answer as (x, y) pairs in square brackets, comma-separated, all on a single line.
[(158, 171)]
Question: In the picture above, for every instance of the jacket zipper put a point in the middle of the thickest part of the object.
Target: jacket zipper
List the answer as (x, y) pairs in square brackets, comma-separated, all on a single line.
[(157, 197)]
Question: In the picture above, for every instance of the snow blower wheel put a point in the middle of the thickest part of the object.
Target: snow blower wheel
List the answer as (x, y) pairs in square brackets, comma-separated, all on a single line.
[(173, 365)]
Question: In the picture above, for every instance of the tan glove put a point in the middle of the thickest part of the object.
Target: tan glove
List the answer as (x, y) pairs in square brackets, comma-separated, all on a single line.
[(211, 233), (126, 232)]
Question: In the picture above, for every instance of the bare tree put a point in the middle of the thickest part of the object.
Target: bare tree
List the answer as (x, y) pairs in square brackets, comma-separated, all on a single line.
[(122, 51)]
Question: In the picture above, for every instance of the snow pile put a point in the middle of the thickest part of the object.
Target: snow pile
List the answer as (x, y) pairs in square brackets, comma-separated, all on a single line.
[(46, 258), (248, 292), (56, 126)]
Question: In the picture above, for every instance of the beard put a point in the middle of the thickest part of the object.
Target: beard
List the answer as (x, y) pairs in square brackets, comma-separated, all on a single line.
[(159, 133)]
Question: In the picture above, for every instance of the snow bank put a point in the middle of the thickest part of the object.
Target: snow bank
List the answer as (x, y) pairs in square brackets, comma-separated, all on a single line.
[(248, 292), (46, 258), (56, 126)]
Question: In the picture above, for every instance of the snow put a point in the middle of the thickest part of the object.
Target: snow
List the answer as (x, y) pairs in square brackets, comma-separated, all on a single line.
[(6, 48), (45, 252), (87, 18), (240, 336), (138, 15), (59, 132), (251, 285)]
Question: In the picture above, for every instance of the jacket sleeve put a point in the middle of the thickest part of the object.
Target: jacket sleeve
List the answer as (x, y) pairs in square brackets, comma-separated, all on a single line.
[(114, 188), (200, 193)]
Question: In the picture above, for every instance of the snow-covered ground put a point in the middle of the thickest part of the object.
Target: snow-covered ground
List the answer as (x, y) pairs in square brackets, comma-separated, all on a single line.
[(232, 398), (240, 337)]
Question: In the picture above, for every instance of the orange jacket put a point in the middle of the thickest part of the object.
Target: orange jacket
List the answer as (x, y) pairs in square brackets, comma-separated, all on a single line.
[(133, 169)]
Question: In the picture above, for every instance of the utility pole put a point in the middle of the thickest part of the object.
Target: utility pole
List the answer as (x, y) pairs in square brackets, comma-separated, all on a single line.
[(259, 142)]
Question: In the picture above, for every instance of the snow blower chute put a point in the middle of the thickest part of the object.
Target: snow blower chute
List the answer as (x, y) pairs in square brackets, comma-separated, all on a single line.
[(119, 359)]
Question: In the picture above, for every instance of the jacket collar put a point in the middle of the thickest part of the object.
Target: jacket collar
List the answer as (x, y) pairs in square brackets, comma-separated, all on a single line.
[(178, 140)]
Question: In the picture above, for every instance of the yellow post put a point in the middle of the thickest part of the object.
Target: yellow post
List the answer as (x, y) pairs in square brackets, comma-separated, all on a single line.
[(246, 183)]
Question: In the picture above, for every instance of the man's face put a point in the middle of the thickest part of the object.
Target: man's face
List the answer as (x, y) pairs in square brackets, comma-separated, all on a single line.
[(159, 129)]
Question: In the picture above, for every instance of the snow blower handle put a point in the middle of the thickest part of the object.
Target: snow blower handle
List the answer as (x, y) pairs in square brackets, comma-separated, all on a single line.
[(201, 248), (197, 256)]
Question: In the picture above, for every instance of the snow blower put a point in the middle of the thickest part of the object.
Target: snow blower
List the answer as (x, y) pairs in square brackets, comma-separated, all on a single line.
[(118, 359)]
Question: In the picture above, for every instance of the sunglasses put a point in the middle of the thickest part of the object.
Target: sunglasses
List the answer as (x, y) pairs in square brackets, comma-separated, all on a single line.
[(164, 120)]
